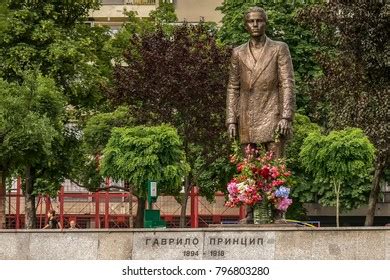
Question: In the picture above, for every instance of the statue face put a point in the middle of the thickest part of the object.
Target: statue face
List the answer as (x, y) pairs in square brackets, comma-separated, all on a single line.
[(255, 23)]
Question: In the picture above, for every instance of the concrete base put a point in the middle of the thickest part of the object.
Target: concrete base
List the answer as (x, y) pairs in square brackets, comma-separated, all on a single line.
[(244, 226), (231, 243)]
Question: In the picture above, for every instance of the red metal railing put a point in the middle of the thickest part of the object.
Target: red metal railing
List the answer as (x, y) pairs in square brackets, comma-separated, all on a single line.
[(108, 209)]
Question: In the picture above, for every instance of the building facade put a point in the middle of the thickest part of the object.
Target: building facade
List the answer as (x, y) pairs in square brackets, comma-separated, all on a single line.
[(198, 10), (112, 13)]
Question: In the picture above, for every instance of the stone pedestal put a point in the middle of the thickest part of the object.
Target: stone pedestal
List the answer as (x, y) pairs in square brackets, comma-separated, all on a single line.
[(243, 226), (228, 242)]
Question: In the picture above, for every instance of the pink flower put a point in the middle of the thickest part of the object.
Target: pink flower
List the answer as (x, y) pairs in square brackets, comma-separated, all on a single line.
[(241, 197), (259, 176), (232, 187), (274, 172), (233, 159), (284, 204), (269, 155), (248, 149), (267, 187)]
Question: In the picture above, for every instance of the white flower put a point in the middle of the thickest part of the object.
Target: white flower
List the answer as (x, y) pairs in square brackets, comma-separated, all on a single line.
[(242, 186)]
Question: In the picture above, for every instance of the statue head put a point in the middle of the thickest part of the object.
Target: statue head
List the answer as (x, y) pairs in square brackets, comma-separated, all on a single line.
[(256, 21)]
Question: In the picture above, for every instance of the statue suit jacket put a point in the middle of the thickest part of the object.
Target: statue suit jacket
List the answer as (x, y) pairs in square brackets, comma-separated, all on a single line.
[(260, 92)]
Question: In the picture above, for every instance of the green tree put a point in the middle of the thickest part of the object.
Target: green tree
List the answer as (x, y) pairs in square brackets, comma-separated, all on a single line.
[(95, 136), (212, 175), (132, 26), (87, 154), (304, 190), (302, 127), (190, 95), (50, 36), (97, 130), (282, 25), (142, 153), (31, 124), (340, 160), (3, 14), (354, 89), (165, 13), (162, 16)]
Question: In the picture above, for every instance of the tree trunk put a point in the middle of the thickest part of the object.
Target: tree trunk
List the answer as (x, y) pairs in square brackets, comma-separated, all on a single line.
[(131, 219), (30, 211), (337, 190), (183, 212), (375, 189), (337, 211), (139, 221), (2, 200)]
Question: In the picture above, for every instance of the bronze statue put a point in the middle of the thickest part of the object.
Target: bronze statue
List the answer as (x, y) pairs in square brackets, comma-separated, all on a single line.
[(260, 95)]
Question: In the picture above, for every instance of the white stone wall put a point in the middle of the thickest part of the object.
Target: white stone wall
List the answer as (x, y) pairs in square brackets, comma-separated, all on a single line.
[(211, 243)]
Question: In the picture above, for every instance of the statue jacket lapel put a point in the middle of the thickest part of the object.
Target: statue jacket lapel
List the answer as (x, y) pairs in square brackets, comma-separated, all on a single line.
[(260, 64)]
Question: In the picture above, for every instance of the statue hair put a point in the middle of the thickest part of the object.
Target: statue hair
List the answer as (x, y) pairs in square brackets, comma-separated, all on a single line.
[(256, 9)]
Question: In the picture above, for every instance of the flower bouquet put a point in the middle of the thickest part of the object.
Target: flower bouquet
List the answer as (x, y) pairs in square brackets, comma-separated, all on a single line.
[(261, 182)]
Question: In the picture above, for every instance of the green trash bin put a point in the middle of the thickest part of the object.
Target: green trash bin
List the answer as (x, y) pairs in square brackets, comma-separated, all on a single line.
[(152, 219)]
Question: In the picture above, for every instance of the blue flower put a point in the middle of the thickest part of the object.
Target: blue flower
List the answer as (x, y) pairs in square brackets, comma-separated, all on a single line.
[(282, 192)]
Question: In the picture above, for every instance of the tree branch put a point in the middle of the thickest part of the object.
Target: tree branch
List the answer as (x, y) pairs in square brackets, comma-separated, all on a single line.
[(106, 188)]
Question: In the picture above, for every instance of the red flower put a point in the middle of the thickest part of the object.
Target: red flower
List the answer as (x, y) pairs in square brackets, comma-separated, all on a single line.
[(259, 184), (256, 170), (265, 172), (277, 183), (267, 187)]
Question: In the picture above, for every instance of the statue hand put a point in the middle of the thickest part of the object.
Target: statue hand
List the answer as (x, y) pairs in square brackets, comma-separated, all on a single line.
[(284, 127), (232, 130)]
